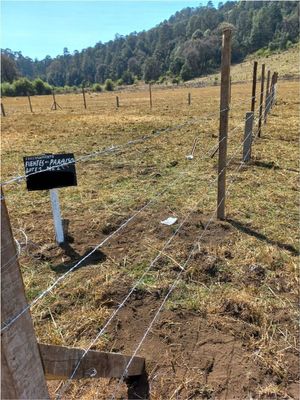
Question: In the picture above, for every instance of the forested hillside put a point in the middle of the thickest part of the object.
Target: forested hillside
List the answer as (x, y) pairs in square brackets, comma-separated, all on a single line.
[(186, 46)]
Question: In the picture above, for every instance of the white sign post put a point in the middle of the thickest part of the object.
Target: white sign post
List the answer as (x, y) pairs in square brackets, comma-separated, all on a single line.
[(59, 232)]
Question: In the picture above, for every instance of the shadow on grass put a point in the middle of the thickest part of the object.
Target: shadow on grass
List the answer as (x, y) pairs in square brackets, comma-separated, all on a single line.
[(245, 229)]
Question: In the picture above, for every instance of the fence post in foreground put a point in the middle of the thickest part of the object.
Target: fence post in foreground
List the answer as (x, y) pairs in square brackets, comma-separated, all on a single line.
[(262, 84), (224, 111), (150, 95), (83, 95), (254, 86), (267, 99), (22, 374), (248, 136), (2, 110), (29, 101)]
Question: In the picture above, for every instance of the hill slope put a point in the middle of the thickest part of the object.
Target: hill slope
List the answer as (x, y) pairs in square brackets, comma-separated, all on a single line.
[(187, 45)]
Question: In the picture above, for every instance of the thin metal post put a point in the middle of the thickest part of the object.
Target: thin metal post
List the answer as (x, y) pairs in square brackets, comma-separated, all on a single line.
[(224, 111), (267, 99), (248, 136), (150, 95), (59, 232), (262, 83)]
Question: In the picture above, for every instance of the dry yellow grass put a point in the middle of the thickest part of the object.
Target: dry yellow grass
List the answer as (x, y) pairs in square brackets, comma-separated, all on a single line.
[(249, 285)]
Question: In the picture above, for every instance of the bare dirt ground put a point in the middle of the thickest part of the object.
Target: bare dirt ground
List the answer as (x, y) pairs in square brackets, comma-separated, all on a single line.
[(229, 329)]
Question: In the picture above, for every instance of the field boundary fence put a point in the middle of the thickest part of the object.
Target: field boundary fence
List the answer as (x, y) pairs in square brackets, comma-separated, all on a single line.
[(26, 363)]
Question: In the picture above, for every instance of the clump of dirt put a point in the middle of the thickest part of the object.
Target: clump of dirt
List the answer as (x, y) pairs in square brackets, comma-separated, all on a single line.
[(242, 309), (254, 274)]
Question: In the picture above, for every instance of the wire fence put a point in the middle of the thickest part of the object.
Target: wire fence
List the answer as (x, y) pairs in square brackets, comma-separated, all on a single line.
[(20, 246)]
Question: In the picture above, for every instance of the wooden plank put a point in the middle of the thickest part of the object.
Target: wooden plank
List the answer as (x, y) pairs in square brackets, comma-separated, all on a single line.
[(22, 375), (59, 363), (223, 129)]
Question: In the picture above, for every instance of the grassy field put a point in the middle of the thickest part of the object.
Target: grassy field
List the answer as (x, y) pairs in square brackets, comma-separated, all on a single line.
[(229, 328)]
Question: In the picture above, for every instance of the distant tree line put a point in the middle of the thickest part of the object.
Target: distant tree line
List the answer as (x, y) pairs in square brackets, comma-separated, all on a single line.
[(186, 46)]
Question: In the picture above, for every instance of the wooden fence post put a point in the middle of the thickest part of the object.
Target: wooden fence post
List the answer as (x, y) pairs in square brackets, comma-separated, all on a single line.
[(267, 99), (54, 105), (262, 83), (117, 101), (150, 95), (2, 110), (253, 98), (248, 136), (83, 95), (29, 101), (189, 99), (22, 374), (224, 111)]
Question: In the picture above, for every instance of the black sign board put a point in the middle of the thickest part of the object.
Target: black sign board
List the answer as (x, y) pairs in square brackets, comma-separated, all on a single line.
[(49, 171)]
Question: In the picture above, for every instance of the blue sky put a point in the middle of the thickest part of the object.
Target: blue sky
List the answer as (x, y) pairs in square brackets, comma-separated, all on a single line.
[(40, 28)]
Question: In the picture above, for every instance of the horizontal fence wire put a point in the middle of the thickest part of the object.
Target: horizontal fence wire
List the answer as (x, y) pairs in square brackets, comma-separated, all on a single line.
[(7, 324), (182, 269), (161, 252)]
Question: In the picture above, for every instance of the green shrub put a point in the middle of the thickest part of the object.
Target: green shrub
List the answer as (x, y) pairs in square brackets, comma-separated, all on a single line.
[(23, 87), (120, 82), (7, 89), (128, 78), (97, 87), (39, 86), (109, 86)]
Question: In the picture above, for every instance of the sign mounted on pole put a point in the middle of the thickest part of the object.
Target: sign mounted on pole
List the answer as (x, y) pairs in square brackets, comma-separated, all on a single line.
[(49, 171)]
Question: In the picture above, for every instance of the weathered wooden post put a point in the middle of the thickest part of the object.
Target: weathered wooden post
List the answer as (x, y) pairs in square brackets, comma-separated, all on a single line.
[(189, 99), (2, 110), (29, 101), (150, 95), (267, 97), (253, 98), (224, 111), (117, 101), (248, 136), (83, 95), (54, 105), (262, 83), (22, 374)]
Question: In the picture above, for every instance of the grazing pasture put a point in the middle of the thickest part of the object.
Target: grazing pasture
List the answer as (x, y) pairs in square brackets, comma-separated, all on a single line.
[(229, 328)]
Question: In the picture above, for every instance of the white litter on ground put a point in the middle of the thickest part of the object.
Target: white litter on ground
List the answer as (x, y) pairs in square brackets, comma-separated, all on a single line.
[(169, 221)]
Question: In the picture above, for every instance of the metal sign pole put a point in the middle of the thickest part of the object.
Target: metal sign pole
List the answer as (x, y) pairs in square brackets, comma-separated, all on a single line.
[(59, 232)]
